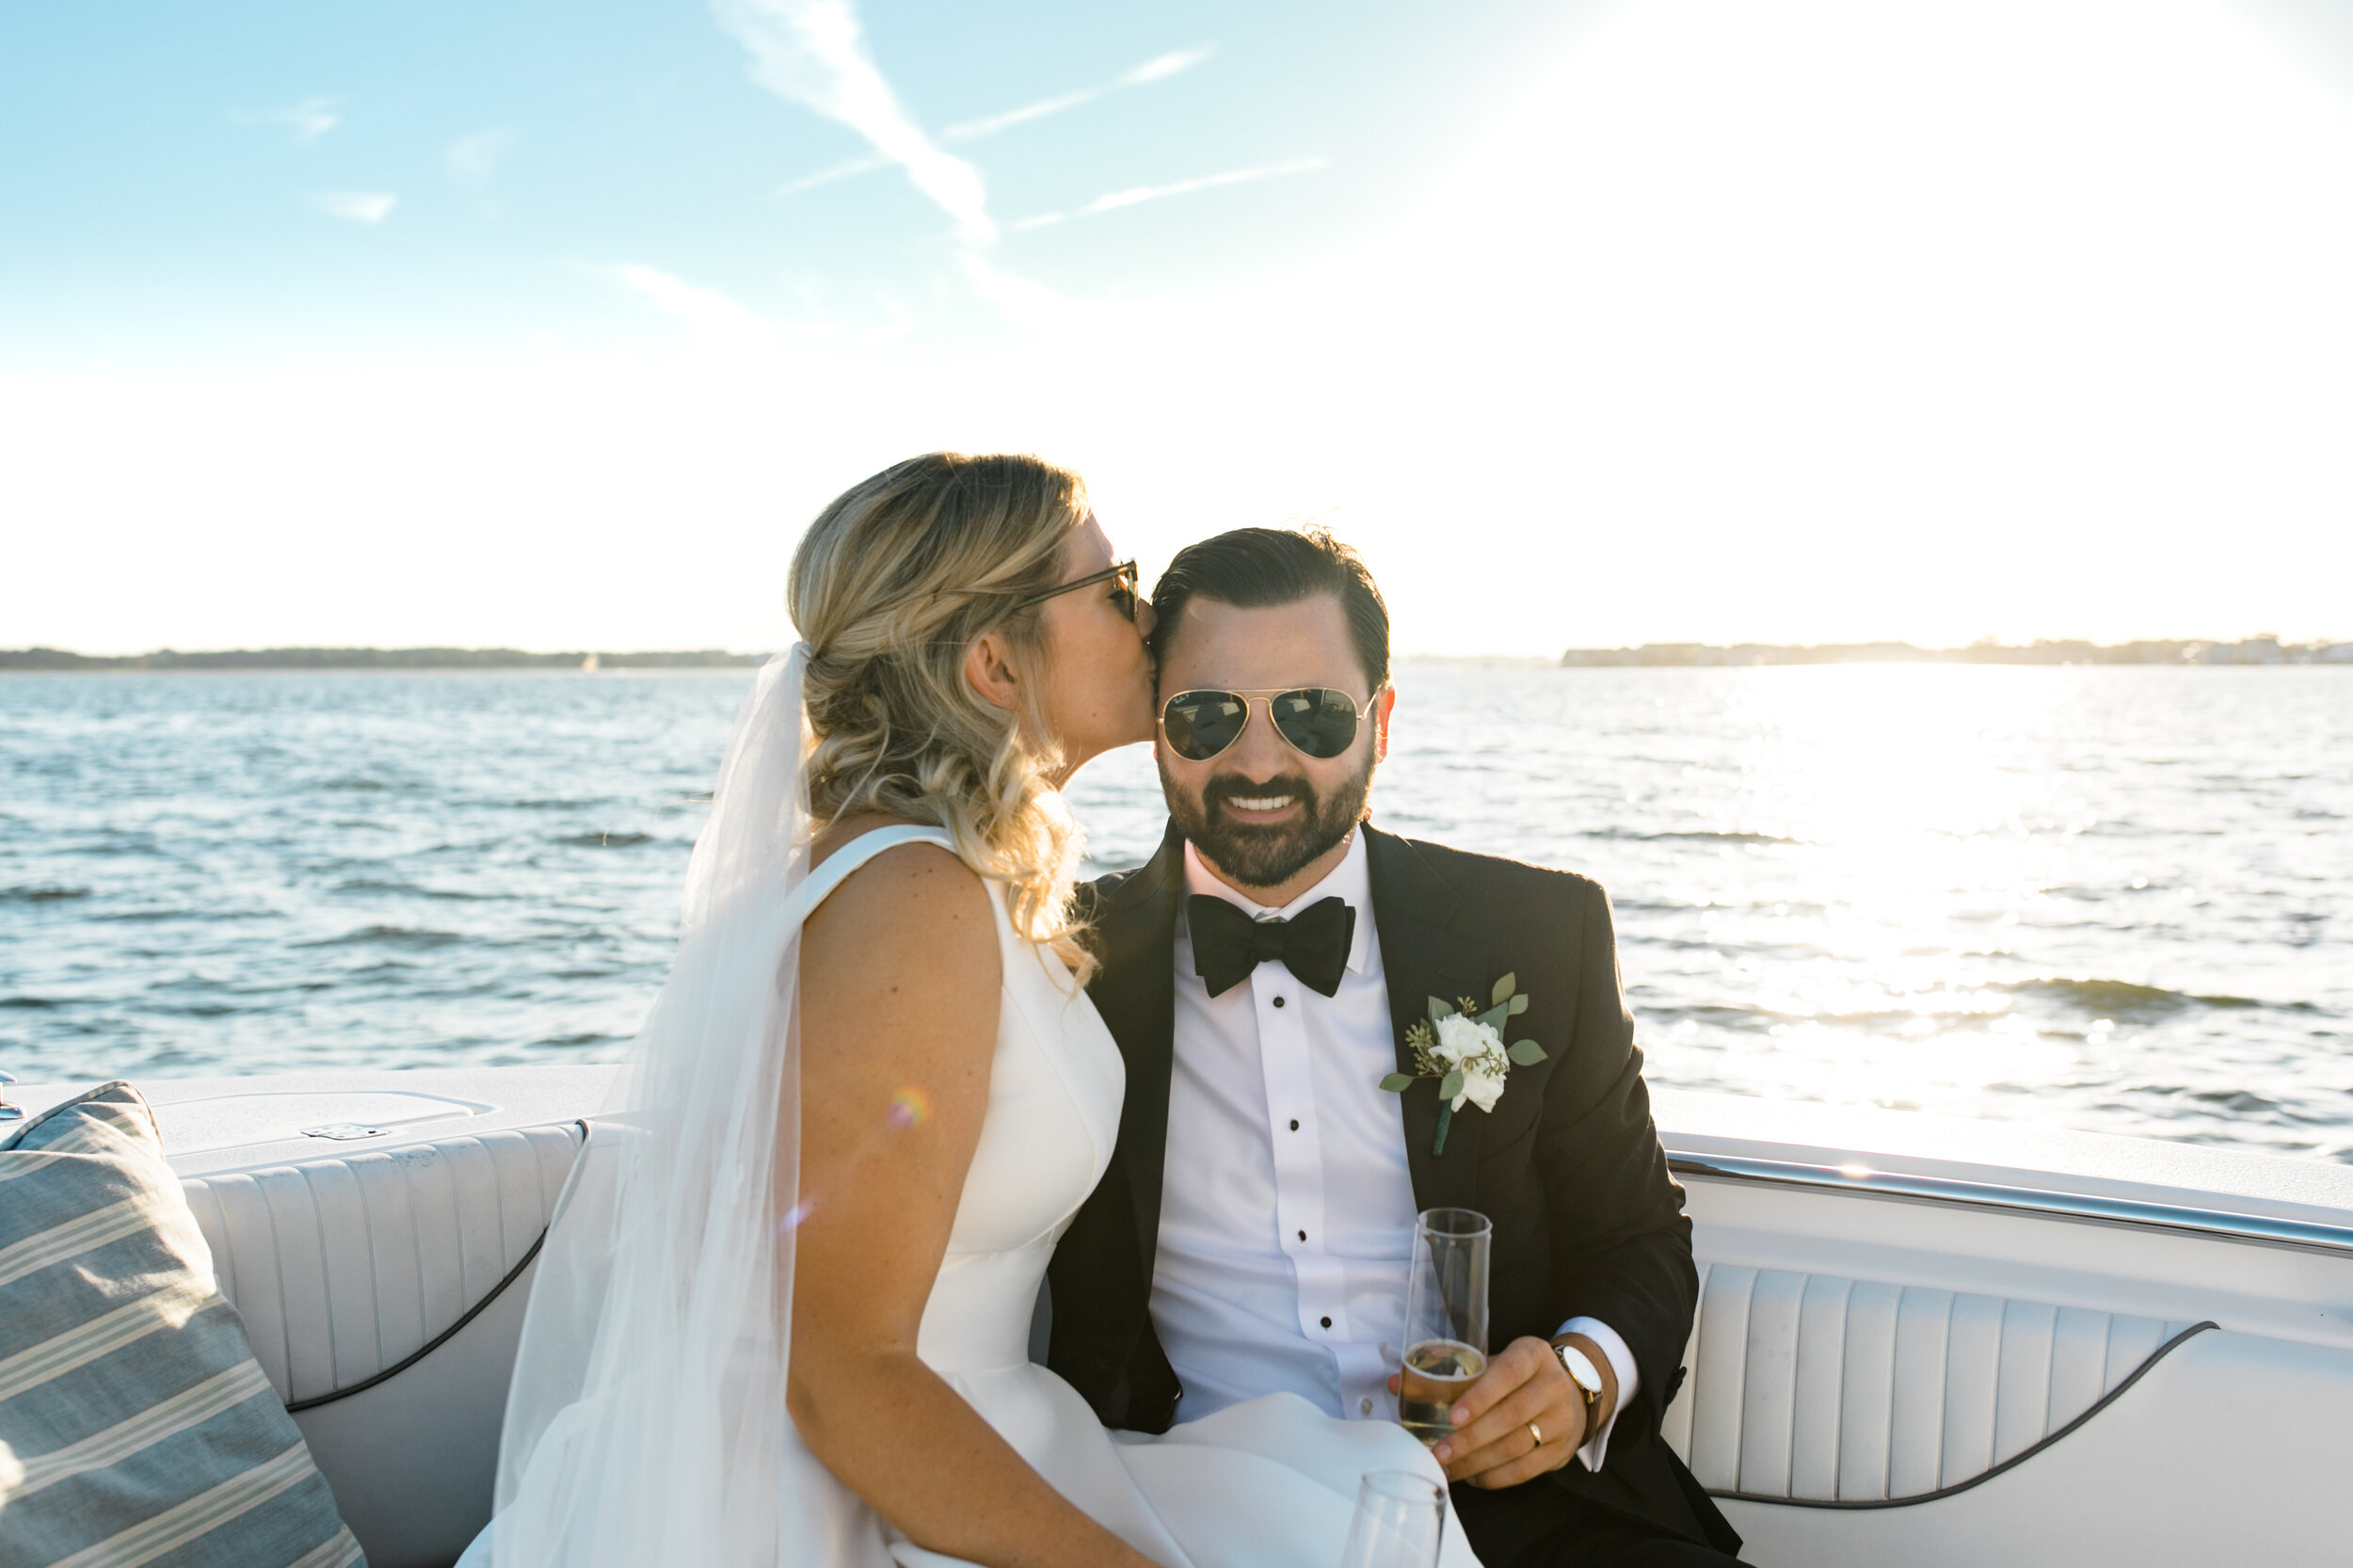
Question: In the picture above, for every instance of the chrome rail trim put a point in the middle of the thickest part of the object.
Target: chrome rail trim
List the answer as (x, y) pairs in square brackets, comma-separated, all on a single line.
[(1863, 1180)]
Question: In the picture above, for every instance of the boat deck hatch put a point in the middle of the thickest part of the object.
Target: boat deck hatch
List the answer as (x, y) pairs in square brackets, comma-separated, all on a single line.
[(233, 1121)]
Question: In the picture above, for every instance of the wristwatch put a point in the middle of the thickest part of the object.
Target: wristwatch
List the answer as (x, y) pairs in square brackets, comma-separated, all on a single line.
[(1585, 1375)]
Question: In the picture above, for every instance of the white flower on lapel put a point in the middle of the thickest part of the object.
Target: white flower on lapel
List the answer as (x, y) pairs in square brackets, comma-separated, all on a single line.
[(1477, 1050), (1463, 1048)]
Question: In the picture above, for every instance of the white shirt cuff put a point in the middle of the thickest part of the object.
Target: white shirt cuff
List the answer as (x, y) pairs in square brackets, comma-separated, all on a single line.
[(1596, 1446)]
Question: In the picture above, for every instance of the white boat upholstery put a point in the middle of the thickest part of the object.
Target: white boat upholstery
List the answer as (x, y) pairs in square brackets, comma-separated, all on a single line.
[(1809, 1387), (1848, 1420), (1803, 1388), (346, 1269)]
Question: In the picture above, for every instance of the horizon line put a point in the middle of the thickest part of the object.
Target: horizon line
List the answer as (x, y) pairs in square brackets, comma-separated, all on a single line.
[(2263, 650)]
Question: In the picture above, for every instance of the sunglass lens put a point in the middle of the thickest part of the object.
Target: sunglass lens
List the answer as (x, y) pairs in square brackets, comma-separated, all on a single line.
[(1320, 722), (1202, 723)]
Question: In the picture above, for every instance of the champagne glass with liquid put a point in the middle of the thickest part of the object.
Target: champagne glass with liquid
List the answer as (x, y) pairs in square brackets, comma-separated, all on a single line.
[(1401, 1519), (1446, 1319)]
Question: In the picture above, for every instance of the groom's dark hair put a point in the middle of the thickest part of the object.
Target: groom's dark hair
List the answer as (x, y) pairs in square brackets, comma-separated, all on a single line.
[(1257, 568)]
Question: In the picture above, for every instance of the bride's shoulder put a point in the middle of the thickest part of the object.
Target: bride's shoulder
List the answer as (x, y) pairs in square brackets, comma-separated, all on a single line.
[(917, 889), (906, 945)]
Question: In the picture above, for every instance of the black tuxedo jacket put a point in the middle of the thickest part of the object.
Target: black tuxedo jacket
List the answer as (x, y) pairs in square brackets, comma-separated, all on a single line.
[(1568, 1167)]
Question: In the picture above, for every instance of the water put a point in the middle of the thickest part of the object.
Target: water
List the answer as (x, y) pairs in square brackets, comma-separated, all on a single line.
[(2109, 899)]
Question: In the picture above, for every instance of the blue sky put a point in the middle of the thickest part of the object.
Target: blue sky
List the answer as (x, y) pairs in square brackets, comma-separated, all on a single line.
[(172, 173), (1595, 323)]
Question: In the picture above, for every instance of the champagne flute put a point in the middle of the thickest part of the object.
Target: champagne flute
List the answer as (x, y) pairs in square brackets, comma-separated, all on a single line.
[(1446, 1319), (1401, 1517)]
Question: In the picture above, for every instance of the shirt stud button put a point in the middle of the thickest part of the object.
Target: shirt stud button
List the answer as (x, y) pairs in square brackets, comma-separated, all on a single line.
[(1303, 1236), (1278, 1001), (1294, 1124), (1327, 1323), (1364, 1406)]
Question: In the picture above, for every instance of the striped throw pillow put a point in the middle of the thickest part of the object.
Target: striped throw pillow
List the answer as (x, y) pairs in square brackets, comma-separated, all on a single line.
[(136, 1427)]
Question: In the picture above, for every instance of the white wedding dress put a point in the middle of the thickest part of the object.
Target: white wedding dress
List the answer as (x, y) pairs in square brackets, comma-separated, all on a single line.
[(1270, 1483)]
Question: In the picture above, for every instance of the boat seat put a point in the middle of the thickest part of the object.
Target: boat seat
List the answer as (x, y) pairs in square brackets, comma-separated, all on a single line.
[(1805, 1389), (346, 1270), (1818, 1389)]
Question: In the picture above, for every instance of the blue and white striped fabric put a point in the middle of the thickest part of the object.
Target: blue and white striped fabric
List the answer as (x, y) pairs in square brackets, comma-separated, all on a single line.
[(136, 1427)]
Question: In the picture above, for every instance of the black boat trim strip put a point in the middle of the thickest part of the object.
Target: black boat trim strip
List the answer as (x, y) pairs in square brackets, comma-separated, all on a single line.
[(1983, 1476), (450, 1333), (429, 1346)]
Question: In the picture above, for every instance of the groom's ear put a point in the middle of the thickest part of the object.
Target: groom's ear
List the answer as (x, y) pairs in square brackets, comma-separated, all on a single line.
[(989, 666), (1382, 707)]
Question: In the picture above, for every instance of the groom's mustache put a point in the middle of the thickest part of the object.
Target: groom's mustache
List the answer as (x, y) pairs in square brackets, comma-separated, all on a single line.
[(1225, 791)]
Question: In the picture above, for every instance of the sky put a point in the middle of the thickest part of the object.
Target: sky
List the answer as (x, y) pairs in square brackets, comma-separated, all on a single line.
[(1591, 323)]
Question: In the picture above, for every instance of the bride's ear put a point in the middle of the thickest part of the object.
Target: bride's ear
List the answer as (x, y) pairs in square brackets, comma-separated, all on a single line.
[(989, 666)]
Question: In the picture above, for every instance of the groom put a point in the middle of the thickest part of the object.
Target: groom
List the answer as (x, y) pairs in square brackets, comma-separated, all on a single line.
[(1262, 974)]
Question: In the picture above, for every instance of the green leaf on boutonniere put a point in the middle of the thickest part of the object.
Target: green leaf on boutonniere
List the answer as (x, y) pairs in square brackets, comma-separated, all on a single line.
[(1480, 1044)]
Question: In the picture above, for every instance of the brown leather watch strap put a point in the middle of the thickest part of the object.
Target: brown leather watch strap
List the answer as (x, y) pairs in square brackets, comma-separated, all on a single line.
[(1593, 1396)]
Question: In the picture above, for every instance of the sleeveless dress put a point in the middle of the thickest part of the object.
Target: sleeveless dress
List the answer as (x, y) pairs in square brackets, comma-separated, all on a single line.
[(1268, 1484)]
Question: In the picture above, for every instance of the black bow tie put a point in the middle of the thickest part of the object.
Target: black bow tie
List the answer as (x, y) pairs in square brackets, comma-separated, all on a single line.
[(1227, 944)]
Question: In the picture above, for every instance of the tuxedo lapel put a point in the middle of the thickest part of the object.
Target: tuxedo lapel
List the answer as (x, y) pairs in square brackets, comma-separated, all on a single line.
[(1423, 955), (1135, 991)]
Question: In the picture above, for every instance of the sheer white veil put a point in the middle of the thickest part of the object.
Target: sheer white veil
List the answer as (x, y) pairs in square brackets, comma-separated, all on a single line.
[(647, 1418)]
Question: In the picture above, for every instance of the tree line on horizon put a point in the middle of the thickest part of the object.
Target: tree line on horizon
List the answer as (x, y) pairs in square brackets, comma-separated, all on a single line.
[(2263, 650), (371, 658), (2250, 650)]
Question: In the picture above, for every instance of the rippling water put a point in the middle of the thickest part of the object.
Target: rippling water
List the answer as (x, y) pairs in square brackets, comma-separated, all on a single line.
[(2110, 899)]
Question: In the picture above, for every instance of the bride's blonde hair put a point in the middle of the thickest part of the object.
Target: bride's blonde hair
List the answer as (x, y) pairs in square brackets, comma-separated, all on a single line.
[(890, 586)]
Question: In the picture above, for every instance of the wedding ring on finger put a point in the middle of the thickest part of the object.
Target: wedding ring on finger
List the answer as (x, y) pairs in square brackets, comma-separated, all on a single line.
[(1534, 1433)]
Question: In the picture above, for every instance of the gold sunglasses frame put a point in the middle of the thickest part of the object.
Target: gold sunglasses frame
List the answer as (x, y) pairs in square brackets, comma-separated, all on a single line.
[(1250, 701)]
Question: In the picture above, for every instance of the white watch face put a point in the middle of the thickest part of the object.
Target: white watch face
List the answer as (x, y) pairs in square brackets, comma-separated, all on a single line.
[(1581, 1368)]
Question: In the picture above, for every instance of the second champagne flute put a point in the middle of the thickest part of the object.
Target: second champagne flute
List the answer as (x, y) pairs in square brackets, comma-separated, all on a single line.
[(1446, 1319), (1401, 1521)]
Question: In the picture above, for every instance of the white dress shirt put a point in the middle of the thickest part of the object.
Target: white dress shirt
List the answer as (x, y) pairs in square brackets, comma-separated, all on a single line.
[(1287, 1205)]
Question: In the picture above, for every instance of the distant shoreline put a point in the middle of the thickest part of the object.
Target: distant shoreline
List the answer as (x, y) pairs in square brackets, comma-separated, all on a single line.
[(2184, 651), (2252, 650), (373, 659)]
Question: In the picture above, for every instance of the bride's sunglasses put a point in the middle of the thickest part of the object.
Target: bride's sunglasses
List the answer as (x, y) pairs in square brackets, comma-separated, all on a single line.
[(1121, 577), (1316, 720)]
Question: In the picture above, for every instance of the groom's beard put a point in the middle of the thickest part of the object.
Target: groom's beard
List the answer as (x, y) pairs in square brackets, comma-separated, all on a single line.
[(1266, 856)]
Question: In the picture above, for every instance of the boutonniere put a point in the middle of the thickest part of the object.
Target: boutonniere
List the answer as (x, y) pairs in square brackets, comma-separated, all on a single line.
[(1463, 1048)]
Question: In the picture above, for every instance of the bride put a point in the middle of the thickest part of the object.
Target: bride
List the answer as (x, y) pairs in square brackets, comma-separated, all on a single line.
[(782, 1318)]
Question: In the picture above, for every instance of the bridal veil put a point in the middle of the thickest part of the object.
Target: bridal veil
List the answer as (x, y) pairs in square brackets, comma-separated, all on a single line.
[(647, 1418)]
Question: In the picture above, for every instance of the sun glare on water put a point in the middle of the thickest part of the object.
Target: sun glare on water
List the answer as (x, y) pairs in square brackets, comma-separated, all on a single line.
[(2092, 897), (1920, 847)]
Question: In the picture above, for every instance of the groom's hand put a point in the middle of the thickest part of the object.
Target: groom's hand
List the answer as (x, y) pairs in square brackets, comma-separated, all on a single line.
[(1526, 1393)]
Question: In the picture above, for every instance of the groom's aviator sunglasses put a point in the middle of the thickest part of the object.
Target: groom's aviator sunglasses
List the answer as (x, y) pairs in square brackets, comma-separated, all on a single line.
[(1316, 720), (1121, 577)]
